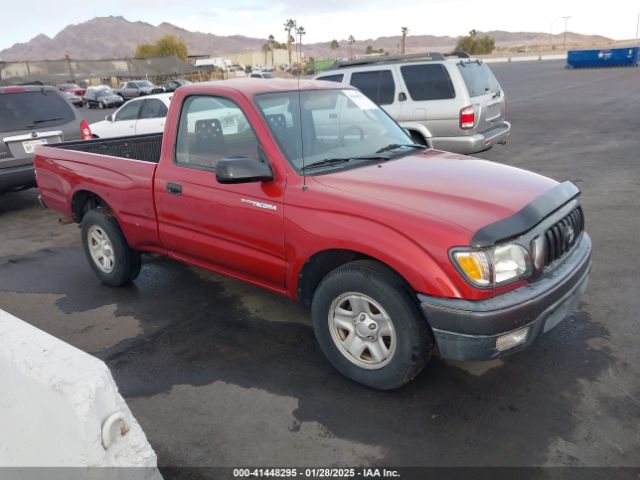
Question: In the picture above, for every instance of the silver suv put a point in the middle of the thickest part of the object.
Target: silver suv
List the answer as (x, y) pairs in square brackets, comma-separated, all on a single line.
[(454, 104), (32, 116)]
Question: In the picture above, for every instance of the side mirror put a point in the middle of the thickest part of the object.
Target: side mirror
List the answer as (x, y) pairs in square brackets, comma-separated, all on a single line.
[(242, 170), (109, 118)]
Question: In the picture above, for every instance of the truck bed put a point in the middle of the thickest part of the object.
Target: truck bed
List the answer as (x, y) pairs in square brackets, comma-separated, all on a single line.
[(137, 147), (119, 171)]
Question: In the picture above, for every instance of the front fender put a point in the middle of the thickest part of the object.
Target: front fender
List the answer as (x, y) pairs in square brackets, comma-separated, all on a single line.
[(309, 234)]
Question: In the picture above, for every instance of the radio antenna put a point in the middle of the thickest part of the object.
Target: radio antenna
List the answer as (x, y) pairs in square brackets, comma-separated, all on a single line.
[(304, 173)]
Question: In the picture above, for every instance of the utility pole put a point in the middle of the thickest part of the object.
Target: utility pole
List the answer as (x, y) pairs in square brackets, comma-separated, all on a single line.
[(637, 26), (566, 20)]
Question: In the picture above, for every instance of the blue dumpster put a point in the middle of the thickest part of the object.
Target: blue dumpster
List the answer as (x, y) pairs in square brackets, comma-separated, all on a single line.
[(614, 57)]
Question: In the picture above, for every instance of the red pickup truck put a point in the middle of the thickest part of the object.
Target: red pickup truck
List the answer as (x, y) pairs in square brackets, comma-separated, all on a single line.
[(312, 191)]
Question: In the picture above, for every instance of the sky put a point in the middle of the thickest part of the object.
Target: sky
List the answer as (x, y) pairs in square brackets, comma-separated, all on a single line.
[(327, 19)]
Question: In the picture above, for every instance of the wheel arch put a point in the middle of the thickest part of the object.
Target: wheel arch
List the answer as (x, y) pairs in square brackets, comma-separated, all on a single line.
[(84, 200), (320, 264), (419, 129)]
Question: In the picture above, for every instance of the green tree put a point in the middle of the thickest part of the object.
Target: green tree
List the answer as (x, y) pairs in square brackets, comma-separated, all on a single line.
[(289, 25), (370, 50), (272, 45), (403, 45), (351, 40), (474, 44), (334, 45), (166, 46), (266, 48)]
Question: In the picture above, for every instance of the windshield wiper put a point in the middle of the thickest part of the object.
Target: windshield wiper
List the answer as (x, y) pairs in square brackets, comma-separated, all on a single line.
[(395, 146), (36, 122), (328, 162)]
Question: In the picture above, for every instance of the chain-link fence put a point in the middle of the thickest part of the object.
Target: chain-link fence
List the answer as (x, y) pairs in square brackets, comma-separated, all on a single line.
[(93, 71)]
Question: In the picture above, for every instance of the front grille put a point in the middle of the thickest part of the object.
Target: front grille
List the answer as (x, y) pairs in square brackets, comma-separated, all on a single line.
[(563, 235)]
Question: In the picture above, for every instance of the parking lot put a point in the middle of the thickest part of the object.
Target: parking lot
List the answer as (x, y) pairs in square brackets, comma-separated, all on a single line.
[(219, 373)]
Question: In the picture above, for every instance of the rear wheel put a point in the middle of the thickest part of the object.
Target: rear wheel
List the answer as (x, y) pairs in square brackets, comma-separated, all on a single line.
[(369, 327), (106, 249)]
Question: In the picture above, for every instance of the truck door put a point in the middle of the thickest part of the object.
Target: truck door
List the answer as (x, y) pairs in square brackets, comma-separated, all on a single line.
[(233, 228)]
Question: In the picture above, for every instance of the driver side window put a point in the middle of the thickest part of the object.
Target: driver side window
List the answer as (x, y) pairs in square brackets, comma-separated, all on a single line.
[(128, 112), (210, 129)]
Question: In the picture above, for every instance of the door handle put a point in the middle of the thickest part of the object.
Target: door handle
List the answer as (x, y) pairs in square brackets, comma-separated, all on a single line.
[(174, 188), (333, 116)]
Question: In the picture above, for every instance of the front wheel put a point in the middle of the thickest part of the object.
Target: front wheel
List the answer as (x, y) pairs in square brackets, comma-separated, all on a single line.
[(369, 327), (106, 249)]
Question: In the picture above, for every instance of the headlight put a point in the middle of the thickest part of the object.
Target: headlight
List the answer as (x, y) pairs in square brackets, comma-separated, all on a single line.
[(493, 266)]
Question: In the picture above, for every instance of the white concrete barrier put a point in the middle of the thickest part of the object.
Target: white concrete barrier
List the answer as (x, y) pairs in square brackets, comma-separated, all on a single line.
[(60, 407), (527, 58)]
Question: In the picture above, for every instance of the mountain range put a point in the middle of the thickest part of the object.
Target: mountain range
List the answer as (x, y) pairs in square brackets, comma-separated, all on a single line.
[(117, 37)]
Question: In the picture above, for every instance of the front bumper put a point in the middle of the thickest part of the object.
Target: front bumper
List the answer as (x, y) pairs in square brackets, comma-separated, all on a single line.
[(468, 330), (22, 176), (467, 144)]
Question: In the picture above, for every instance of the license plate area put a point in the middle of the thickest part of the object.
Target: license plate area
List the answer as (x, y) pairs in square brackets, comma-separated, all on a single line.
[(30, 145)]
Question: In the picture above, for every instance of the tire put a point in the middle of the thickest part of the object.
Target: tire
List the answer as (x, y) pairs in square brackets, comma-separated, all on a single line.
[(114, 262), (390, 305)]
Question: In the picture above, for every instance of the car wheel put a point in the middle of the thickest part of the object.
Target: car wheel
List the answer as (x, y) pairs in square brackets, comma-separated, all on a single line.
[(368, 325), (106, 249)]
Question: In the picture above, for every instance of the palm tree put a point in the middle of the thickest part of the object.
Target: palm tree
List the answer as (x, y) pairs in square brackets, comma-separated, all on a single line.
[(289, 25), (300, 32), (272, 45), (266, 47), (405, 31), (351, 42), (334, 48)]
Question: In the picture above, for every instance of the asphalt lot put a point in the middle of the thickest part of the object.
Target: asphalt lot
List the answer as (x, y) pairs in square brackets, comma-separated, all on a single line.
[(219, 373)]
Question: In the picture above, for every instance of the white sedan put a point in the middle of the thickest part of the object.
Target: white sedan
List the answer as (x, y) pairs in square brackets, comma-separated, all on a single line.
[(136, 117)]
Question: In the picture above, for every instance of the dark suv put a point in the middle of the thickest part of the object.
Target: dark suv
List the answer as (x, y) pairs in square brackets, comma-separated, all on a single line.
[(32, 116)]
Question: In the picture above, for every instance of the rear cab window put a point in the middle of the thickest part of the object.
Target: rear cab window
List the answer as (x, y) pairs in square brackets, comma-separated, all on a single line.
[(378, 85), (428, 82), (34, 109), (478, 78)]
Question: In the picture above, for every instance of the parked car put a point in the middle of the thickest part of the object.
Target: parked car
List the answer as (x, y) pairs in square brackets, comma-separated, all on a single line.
[(102, 96), (32, 116), (399, 250), (71, 87), (73, 98), (261, 74), (136, 117), (137, 88), (453, 104), (173, 85)]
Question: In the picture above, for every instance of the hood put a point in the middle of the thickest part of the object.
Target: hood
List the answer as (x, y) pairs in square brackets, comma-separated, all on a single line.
[(466, 191)]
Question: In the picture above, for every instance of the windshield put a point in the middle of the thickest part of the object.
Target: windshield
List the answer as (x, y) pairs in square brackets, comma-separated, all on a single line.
[(104, 92), (320, 125), (144, 83), (478, 78)]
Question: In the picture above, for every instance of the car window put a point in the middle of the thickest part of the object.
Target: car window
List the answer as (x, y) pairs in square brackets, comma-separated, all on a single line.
[(38, 109), (315, 125), (478, 78), (128, 112), (255, 75), (428, 82), (212, 128), (377, 85), (332, 78), (153, 108)]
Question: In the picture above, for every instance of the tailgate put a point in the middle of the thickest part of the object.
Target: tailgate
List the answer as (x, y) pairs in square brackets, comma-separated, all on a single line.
[(485, 92), (18, 148)]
